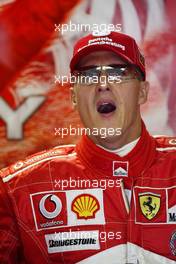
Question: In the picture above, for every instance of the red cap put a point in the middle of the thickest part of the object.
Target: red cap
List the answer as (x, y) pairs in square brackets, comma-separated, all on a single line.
[(121, 44)]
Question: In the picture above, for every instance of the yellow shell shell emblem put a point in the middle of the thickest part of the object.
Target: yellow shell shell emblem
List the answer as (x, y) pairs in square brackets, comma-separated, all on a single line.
[(149, 204), (85, 206)]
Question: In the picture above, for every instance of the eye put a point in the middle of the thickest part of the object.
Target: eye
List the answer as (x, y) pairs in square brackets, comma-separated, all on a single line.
[(120, 70), (114, 72), (123, 71), (88, 73)]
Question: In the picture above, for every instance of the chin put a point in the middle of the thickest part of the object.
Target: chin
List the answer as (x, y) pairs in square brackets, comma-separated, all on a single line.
[(108, 139)]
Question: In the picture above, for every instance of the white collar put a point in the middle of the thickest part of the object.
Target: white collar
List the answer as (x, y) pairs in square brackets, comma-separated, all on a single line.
[(123, 150)]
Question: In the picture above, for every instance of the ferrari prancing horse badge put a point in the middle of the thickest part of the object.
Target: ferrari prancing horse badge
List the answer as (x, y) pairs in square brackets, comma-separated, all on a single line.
[(149, 204)]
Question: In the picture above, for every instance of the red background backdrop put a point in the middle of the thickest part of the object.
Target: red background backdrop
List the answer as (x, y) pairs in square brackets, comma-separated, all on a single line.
[(32, 53)]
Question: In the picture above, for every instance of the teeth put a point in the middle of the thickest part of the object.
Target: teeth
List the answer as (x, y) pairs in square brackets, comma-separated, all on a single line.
[(106, 108)]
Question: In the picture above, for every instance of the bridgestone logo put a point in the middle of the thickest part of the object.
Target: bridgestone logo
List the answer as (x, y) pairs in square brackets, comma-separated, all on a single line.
[(61, 243), (72, 241)]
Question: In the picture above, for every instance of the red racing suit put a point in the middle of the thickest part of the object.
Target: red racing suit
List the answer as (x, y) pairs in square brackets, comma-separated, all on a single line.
[(69, 205)]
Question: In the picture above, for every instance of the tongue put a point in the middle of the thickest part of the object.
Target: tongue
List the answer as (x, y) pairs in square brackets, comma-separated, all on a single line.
[(106, 108)]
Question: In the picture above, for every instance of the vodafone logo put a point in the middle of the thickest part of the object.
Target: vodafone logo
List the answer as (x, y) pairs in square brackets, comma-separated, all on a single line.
[(172, 141), (53, 199), (18, 165), (48, 210)]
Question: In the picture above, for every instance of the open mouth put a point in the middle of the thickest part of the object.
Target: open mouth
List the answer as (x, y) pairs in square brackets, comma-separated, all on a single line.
[(106, 107)]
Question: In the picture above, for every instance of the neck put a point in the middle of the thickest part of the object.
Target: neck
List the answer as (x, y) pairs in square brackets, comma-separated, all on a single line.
[(130, 134)]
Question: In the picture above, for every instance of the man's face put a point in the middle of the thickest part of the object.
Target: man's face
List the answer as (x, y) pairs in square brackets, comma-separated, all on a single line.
[(108, 105)]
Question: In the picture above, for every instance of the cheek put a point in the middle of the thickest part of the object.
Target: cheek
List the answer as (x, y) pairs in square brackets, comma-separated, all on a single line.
[(129, 97), (131, 101), (85, 96), (83, 99)]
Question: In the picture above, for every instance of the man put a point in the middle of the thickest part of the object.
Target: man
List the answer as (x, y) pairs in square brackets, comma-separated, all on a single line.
[(111, 198)]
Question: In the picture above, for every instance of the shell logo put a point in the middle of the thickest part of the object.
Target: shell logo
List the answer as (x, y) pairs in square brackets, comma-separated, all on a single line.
[(85, 206)]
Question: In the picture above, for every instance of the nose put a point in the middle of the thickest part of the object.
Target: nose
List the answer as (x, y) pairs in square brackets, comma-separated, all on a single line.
[(103, 84)]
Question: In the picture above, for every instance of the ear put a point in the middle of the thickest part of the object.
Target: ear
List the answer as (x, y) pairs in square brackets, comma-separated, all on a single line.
[(143, 92), (73, 97)]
